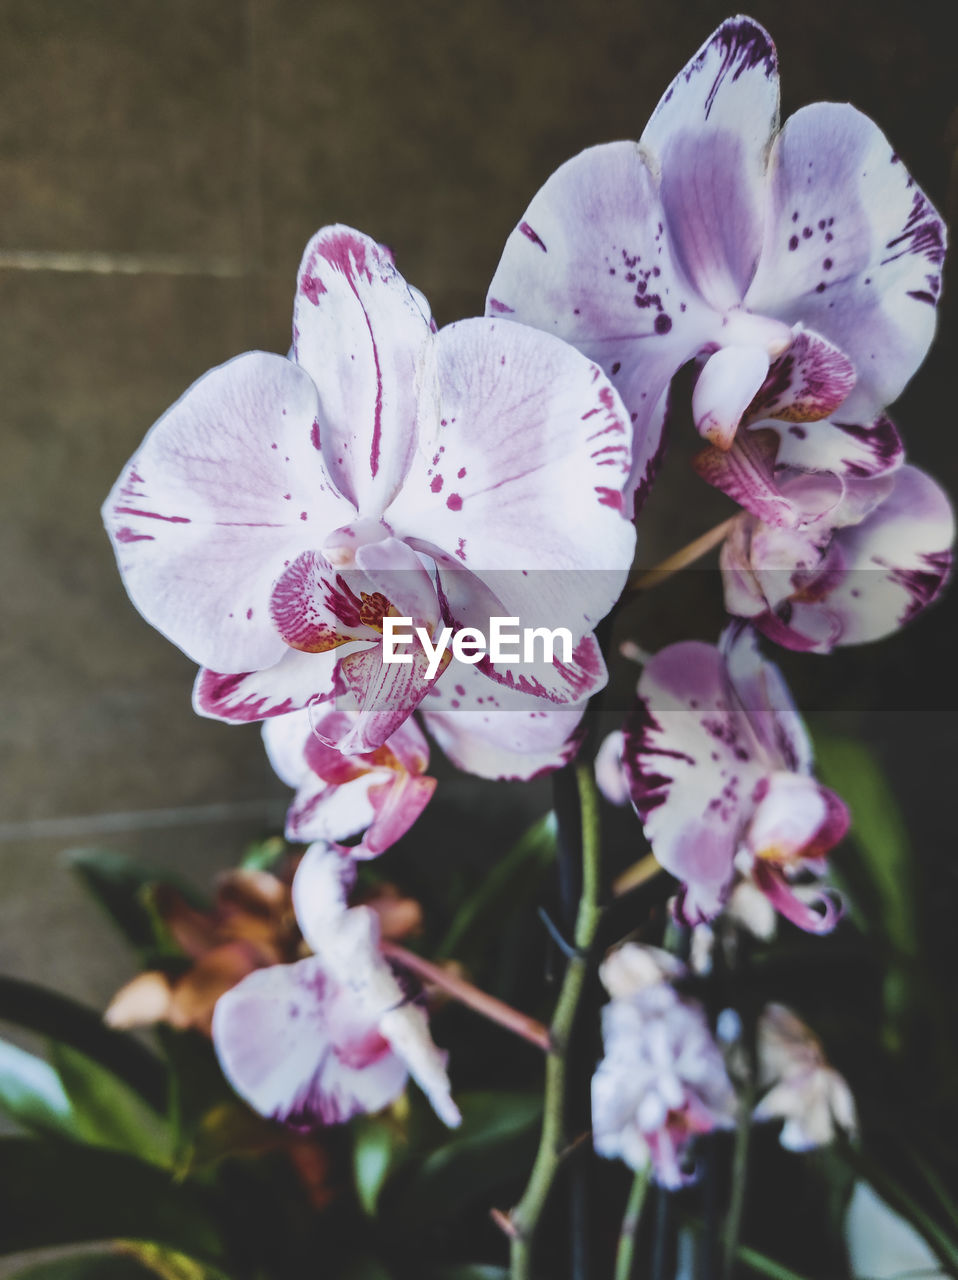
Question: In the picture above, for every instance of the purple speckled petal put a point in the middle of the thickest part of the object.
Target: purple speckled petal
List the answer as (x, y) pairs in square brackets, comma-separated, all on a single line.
[(494, 732), (748, 472), (362, 336), (896, 560), (298, 1049), (693, 763), (590, 263), (709, 137), (225, 488), (531, 431), (760, 689), (805, 384), (853, 249)]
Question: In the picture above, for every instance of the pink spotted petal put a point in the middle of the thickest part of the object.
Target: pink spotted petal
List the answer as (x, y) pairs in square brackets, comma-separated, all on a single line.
[(726, 386), (296, 681), (363, 336), (853, 249), (294, 1048), (709, 137), (844, 448), (225, 489)]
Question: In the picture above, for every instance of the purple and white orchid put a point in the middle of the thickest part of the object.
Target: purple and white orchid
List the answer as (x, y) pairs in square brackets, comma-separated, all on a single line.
[(720, 772), (875, 562), (380, 793), (334, 1035), (662, 1080), (720, 237), (283, 507)]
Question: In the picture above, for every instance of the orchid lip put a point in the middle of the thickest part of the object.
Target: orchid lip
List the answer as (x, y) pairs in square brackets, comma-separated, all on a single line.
[(341, 546)]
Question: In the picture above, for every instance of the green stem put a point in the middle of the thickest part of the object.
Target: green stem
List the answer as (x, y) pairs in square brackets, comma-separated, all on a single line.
[(552, 1140), (739, 1179), (764, 1265), (625, 1254)]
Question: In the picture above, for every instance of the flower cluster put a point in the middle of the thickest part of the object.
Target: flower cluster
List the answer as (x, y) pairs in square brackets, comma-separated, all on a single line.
[(285, 507)]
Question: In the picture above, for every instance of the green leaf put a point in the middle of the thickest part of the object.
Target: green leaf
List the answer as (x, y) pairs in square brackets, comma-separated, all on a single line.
[(506, 886), (62, 1193), (878, 833), (107, 1112), (58, 1018), (262, 855), (498, 1136), (121, 886), (32, 1094), (378, 1144)]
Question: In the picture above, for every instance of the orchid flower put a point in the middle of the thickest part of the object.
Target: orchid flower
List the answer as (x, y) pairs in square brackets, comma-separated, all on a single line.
[(333, 1035), (720, 772), (283, 508), (801, 1088), (662, 1080), (380, 793), (858, 575), (722, 237)]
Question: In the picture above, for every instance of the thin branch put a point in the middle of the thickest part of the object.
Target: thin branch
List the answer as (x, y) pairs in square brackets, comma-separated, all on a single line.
[(680, 559), (479, 1001)]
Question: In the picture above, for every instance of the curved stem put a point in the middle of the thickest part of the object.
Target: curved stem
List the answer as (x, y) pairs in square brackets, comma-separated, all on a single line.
[(680, 559), (625, 1254), (552, 1140), (739, 1179), (479, 1001)]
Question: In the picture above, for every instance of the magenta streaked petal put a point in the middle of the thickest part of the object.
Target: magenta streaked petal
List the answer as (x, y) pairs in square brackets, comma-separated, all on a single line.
[(724, 389), (494, 732), (383, 695), (693, 763), (293, 1048), (812, 907), (362, 336), (315, 608), (807, 383), (796, 818), (530, 431), (225, 488), (853, 249), (327, 811), (710, 136), (845, 448), (397, 800), (897, 559), (296, 681)]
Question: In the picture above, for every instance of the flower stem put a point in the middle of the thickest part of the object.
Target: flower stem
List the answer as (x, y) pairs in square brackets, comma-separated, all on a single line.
[(680, 559), (733, 1221), (526, 1215), (479, 1001), (625, 1254)]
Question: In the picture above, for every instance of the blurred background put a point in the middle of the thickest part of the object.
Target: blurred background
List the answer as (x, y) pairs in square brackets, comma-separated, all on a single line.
[(162, 165)]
